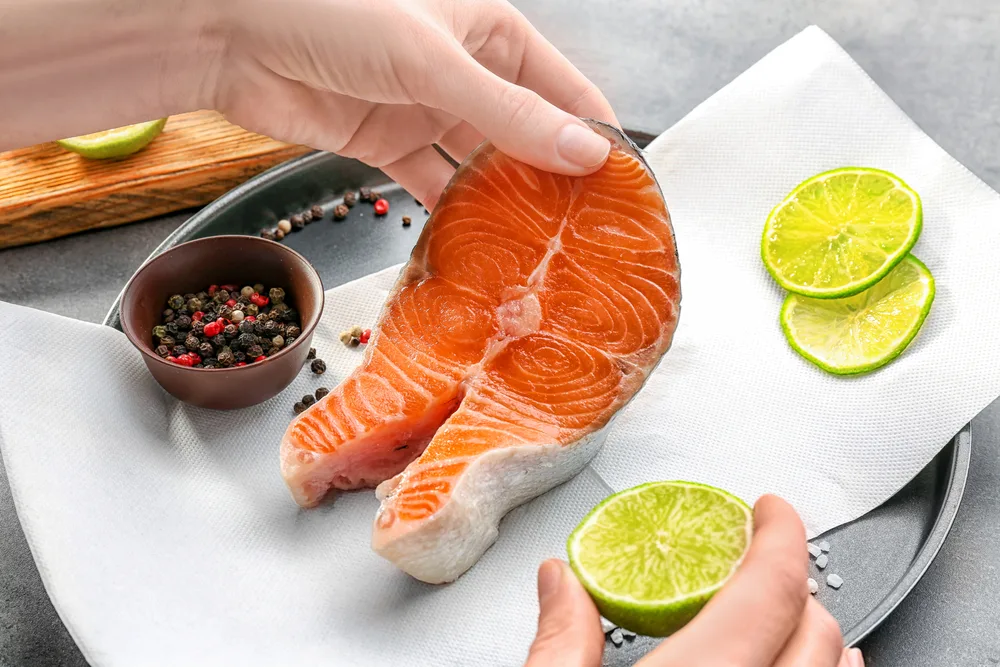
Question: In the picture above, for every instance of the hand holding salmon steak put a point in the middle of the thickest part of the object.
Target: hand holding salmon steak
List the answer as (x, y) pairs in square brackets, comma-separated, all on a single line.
[(532, 309)]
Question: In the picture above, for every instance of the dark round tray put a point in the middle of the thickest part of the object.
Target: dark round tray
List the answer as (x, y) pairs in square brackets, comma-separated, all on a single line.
[(881, 556)]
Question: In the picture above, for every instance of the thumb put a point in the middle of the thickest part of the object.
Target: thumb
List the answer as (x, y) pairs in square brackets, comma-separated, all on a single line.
[(518, 120), (569, 627)]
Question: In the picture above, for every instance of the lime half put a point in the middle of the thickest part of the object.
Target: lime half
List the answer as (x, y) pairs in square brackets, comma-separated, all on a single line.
[(862, 332), (841, 232), (118, 142), (652, 556)]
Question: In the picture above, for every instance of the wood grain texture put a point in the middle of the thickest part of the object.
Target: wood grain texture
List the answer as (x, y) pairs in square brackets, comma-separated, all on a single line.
[(47, 192)]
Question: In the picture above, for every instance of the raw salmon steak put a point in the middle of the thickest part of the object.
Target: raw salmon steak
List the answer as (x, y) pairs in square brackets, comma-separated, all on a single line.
[(532, 309)]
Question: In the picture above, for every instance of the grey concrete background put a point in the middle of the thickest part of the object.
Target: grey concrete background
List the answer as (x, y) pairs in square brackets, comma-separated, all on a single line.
[(656, 60)]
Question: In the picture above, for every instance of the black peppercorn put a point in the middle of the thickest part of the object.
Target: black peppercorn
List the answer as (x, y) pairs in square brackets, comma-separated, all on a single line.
[(240, 357), (318, 366), (364, 193), (312, 353), (308, 400), (222, 296), (203, 296), (168, 316), (290, 315), (350, 199), (206, 350), (192, 343), (225, 312), (178, 350), (184, 311), (188, 296), (209, 317), (183, 322), (230, 331), (289, 340), (317, 211), (278, 235), (219, 341), (406, 221), (292, 331), (211, 362), (271, 351), (198, 327), (254, 351), (226, 357), (299, 408), (297, 222), (340, 211), (270, 328), (245, 341), (175, 302), (246, 327), (168, 341), (194, 305), (163, 351), (277, 295), (321, 392), (267, 234)]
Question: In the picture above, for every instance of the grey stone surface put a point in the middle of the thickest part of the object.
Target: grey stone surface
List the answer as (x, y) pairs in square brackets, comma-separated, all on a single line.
[(656, 60)]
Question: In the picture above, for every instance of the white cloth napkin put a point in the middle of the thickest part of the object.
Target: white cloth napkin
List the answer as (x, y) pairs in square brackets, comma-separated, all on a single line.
[(165, 536)]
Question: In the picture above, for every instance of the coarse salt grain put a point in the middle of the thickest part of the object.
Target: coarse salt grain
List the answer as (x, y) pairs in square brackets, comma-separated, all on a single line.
[(814, 550), (834, 581), (822, 561), (616, 637), (813, 586), (824, 545)]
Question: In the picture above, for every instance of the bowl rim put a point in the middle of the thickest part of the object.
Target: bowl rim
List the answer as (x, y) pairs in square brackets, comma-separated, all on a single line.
[(307, 328)]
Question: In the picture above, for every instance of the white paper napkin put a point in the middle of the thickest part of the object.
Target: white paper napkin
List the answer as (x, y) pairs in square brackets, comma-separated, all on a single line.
[(165, 535)]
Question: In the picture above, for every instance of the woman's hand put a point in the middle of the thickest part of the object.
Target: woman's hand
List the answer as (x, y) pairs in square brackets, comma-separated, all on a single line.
[(383, 80), (764, 616)]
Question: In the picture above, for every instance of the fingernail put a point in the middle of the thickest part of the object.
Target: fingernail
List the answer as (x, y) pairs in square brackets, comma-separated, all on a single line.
[(855, 658), (581, 146), (549, 577)]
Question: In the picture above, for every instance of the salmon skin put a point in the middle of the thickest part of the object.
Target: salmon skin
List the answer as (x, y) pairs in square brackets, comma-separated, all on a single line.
[(532, 308)]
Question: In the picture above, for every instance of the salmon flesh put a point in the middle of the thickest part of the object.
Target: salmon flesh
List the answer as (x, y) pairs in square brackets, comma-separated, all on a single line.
[(532, 309)]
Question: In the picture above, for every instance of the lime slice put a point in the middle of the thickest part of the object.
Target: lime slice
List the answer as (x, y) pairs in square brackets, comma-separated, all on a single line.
[(118, 142), (652, 556), (862, 332), (841, 232)]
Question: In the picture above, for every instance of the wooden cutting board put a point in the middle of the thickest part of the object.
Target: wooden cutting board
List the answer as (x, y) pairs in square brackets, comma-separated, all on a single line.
[(47, 192)]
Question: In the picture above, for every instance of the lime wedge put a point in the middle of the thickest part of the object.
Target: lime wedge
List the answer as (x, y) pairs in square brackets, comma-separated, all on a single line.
[(841, 232), (118, 142), (859, 333), (652, 556)]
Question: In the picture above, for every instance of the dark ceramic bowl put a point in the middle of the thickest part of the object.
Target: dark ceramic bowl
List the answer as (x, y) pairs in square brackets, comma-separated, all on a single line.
[(191, 267)]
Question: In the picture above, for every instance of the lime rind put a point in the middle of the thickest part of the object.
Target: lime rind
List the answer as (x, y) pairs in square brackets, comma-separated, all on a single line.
[(923, 279), (663, 616), (856, 286), (116, 143)]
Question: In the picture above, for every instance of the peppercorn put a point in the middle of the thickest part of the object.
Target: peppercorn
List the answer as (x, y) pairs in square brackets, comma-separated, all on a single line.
[(284, 226), (312, 353), (308, 400), (245, 341), (225, 312), (206, 350), (381, 206), (178, 350), (168, 341), (267, 234), (202, 295), (254, 351), (198, 327), (246, 327), (258, 288), (230, 331), (365, 336), (345, 336), (278, 235), (294, 222), (240, 357), (197, 316), (299, 408), (374, 196), (188, 296), (168, 316), (221, 296), (163, 351), (318, 366), (307, 217), (171, 328), (406, 221), (278, 341), (184, 360), (277, 296), (290, 315), (237, 316), (194, 304), (270, 328), (259, 300), (211, 362), (183, 322), (251, 310), (176, 302), (271, 351), (364, 193), (184, 311), (246, 291), (194, 357), (293, 331), (226, 357), (356, 331), (159, 331), (212, 289), (317, 211), (289, 340), (321, 392), (219, 341), (191, 342), (231, 303), (340, 211)]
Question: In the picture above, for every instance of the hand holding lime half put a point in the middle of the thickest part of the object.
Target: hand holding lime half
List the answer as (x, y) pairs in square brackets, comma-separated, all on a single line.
[(117, 143)]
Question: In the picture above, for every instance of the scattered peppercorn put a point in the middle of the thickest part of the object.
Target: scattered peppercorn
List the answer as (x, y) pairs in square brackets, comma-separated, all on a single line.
[(278, 235), (374, 196), (308, 400), (316, 211), (365, 336), (267, 234), (340, 211), (364, 194), (345, 336), (299, 408), (298, 222), (312, 353), (284, 226), (321, 392), (406, 221), (350, 199), (318, 366), (381, 206), (292, 331), (176, 302), (163, 351)]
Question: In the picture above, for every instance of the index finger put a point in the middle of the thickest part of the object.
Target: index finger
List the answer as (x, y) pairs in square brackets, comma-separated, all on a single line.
[(749, 621)]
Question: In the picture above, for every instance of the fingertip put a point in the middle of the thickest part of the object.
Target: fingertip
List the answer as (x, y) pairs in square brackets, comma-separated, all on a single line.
[(585, 150)]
